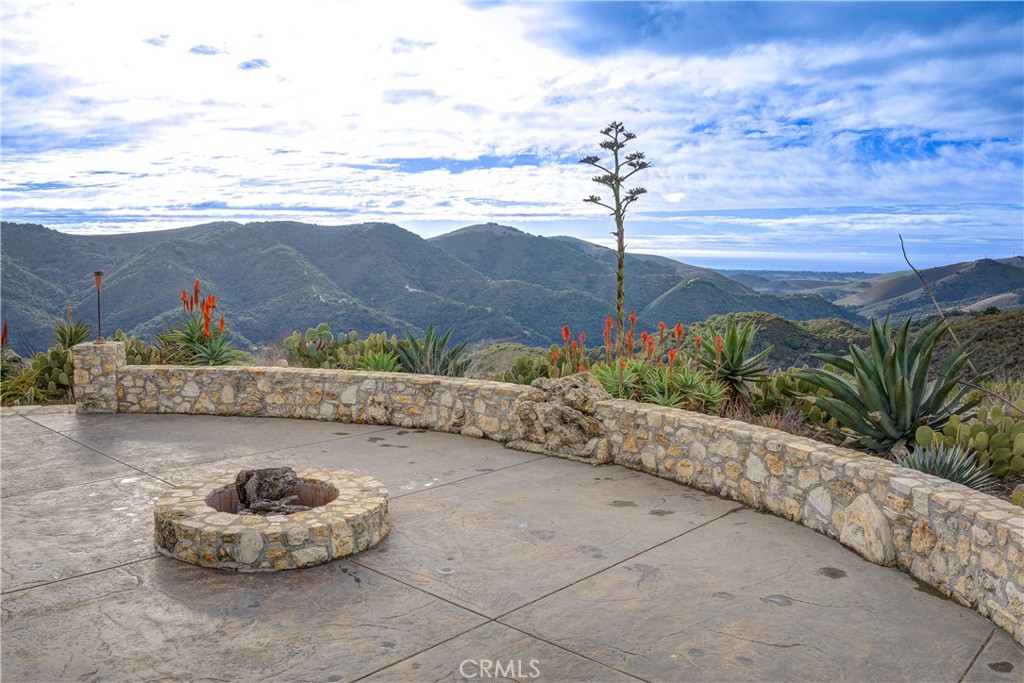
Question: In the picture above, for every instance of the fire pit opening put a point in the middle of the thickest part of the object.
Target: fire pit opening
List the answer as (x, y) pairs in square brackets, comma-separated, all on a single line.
[(272, 491)]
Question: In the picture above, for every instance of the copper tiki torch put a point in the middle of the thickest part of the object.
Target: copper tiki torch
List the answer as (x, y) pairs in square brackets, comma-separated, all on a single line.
[(98, 280)]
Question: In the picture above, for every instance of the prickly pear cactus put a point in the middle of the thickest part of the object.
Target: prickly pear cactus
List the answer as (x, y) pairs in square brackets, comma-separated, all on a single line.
[(996, 438), (55, 374), (138, 352), (319, 348), (524, 370)]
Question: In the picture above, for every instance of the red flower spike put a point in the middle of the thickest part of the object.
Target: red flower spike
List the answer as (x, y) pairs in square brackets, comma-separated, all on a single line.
[(554, 356), (565, 333), (608, 322), (581, 368), (3, 335), (671, 356), (679, 330), (661, 326), (220, 326), (583, 337), (574, 346), (719, 346)]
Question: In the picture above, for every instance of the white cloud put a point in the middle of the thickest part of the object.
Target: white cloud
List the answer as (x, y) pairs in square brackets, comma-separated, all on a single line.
[(903, 119)]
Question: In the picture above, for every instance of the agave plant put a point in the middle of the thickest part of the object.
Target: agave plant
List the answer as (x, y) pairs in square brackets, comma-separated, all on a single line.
[(886, 393), (431, 355), (726, 358), (953, 463)]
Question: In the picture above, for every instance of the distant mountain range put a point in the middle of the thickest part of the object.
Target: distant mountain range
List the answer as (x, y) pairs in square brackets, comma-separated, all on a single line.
[(969, 286), (488, 282)]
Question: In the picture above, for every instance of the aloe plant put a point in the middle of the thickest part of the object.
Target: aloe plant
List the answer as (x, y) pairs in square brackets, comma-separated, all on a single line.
[(885, 393), (727, 359), (431, 355), (950, 462), (380, 361)]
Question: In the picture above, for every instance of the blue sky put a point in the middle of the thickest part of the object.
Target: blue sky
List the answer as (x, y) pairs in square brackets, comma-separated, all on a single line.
[(783, 135)]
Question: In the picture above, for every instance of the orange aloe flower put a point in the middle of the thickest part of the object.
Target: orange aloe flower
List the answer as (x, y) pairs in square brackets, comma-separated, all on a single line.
[(565, 333), (554, 356), (220, 325), (3, 335), (671, 357), (583, 337)]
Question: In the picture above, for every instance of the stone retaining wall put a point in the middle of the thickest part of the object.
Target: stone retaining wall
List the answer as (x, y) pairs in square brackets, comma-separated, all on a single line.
[(967, 545)]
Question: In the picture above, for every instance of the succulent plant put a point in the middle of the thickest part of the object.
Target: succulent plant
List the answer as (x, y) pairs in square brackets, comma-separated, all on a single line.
[(319, 348), (725, 356), (525, 370), (138, 352), (885, 393), (1017, 497), (380, 361), (954, 463), (684, 387), (995, 438), (431, 355), (54, 374)]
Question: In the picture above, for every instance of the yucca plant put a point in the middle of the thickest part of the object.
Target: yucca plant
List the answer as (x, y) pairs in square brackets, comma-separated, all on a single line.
[(726, 358), (885, 393), (431, 355), (953, 463)]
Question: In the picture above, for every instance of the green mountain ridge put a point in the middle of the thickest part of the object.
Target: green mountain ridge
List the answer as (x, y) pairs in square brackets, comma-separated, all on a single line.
[(488, 282)]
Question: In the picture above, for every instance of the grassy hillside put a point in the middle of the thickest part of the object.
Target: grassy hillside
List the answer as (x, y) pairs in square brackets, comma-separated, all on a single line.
[(487, 282)]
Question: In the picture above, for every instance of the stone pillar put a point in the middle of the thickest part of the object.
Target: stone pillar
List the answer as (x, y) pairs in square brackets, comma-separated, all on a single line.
[(96, 366)]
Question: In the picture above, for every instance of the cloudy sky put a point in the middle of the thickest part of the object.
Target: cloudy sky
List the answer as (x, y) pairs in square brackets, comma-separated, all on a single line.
[(782, 135)]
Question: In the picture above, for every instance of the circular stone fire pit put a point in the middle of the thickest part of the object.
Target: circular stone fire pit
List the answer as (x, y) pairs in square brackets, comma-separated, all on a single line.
[(198, 524)]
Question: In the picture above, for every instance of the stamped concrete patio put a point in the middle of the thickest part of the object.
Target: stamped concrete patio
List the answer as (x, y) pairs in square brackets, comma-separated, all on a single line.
[(500, 564)]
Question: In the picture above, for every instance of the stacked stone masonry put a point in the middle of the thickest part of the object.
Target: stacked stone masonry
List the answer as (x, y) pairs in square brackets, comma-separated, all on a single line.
[(187, 528), (967, 545)]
